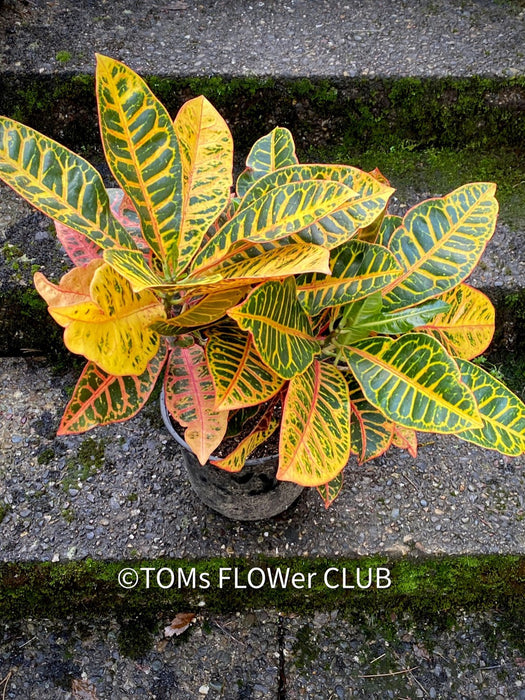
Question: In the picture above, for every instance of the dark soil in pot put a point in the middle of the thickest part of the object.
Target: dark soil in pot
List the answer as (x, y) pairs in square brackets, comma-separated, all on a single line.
[(251, 494)]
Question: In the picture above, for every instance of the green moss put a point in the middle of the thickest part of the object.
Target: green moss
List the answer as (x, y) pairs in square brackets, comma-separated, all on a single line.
[(46, 456), (305, 649), (89, 460), (4, 510), (353, 112), (63, 57)]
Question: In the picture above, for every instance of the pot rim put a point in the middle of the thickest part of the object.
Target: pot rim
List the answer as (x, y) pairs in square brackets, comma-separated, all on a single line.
[(169, 425)]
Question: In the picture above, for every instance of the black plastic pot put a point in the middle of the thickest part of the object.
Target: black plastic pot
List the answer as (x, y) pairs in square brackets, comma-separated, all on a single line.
[(251, 494)]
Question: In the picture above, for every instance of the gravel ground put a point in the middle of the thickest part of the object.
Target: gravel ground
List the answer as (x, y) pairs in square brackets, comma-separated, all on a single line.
[(261, 655), (120, 491), (296, 37)]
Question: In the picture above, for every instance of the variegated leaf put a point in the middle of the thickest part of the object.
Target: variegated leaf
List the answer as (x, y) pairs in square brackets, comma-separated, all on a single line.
[(206, 149), (466, 329), (143, 153), (502, 412), (278, 213), (205, 311), (190, 399), (440, 242), (133, 265), (370, 432), (366, 317), (413, 382), (315, 437), (125, 213), (358, 269), (330, 491), (405, 439), (389, 224), (367, 202), (281, 331), (264, 429), (59, 183), (100, 398), (104, 319), (269, 153), (80, 249), (293, 259), (241, 378)]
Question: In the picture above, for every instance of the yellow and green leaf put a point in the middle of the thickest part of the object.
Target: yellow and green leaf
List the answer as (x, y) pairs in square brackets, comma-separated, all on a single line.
[(367, 200), (502, 412), (389, 224), (205, 311), (440, 242), (466, 329), (190, 399), (280, 212), (104, 319), (358, 270), (413, 382), (142, 151), (100, 398), (59, 183), (296, 258), (240, 377), (206, 149), (264, 429), (269, 153), (330, 491), (133, 265), (370, 432), (281, 330), (315, 438), (405, 439)]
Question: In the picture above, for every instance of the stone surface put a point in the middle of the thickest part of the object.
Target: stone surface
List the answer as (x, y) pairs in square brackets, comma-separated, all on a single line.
[(295, 37), (120, 492)]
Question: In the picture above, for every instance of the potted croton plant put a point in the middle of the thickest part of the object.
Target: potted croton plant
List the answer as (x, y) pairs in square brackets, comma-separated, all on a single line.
[(293, 308)]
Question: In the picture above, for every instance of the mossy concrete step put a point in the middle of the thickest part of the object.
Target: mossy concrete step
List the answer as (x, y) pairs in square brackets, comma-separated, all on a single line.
[(121, 491), (333, 72)]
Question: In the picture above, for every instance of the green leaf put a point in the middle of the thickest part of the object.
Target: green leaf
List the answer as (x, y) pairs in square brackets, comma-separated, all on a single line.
[(413, 382), (358, 270), (59, 183), (281, 331), (440, 242), (100, 398), (366, 316), (205, 311), (370, 432), (502, 412), (389, 224), (273, 151), (142, 151), (315, 440)]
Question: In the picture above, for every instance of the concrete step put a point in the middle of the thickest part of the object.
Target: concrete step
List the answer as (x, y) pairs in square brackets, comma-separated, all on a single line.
[(332, 72), (266, 656), (121, 492)]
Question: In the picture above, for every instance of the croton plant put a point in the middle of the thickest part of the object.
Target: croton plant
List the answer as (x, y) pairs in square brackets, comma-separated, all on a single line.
[(295, 301)]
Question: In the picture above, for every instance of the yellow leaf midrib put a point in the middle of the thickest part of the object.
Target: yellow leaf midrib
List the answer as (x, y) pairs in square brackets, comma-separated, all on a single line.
[(374, 359)]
